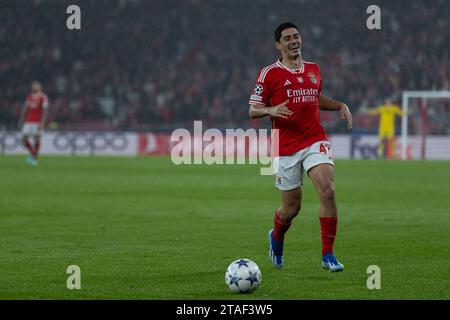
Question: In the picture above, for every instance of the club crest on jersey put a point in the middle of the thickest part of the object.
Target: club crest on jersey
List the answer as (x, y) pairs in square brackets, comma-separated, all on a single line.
[(258, 89), (312, 77), (300, 79)]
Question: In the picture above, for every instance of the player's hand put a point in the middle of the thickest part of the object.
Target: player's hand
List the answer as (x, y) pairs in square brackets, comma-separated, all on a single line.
[(280, 111), (346, 115)]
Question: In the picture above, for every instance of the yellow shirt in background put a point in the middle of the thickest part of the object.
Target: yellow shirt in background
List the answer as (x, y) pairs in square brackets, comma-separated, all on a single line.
[(387, 114)]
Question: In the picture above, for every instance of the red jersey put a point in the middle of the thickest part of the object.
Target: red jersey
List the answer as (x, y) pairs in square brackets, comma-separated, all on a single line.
[(277, 83), (35, 104)]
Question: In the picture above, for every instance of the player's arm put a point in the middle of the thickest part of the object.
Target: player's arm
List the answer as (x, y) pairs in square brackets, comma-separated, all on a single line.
[(44, 113), (44, 118), (398, 111), (260, 99), (374, 111), (279, 111), (328, 104), (22, 115)]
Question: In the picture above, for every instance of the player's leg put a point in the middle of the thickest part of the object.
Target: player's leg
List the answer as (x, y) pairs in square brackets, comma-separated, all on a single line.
[(282, 221), (26, 143), (322, 178), (390, 145), (318, 163), (288, 172), (289, 209), (37, 146), (29, 130), (382, 144), (26, 131)]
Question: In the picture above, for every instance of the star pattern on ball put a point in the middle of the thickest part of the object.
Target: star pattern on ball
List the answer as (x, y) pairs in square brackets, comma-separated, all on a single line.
[(242, 262), (252, 279), (234, 280)]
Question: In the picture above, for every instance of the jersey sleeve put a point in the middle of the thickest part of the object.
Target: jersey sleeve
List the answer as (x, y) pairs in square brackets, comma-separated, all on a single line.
[(374, 112), (398, 111), (260, 94), (320, 82)]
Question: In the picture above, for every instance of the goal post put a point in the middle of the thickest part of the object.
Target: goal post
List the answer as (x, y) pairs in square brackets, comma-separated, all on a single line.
[(406, 96)]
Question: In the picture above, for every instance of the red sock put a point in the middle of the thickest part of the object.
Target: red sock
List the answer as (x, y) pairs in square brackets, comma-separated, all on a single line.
[(35, 151), (280, 228), (328, 228), (27, 145)]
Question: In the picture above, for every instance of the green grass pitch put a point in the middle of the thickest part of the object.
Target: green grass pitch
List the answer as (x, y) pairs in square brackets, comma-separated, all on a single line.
[(143, 228)]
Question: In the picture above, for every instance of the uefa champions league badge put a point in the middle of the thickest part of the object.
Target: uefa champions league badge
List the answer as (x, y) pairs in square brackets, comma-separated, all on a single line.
[(312, 77), (258, 89)]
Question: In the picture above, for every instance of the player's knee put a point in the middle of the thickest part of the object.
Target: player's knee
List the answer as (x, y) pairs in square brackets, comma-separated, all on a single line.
[(328, 193), (293, 209)]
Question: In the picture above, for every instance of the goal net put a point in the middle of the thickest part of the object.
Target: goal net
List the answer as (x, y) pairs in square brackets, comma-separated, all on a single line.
[(425, 129)]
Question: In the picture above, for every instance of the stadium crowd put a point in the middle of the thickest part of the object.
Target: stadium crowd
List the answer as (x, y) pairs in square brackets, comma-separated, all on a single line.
[(160, 64)]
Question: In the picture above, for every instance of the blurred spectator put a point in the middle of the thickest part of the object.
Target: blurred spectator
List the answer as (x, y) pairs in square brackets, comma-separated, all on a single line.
[(160, 64)]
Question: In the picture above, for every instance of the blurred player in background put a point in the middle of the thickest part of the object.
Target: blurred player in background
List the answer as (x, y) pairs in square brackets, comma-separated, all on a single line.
[(32, 120), (386, 128), (289, 92)]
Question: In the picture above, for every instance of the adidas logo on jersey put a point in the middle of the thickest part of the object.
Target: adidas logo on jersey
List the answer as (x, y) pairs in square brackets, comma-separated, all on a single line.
[(287, 83)]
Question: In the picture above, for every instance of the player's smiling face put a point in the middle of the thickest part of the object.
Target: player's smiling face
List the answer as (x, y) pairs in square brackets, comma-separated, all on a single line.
[(290, 43)]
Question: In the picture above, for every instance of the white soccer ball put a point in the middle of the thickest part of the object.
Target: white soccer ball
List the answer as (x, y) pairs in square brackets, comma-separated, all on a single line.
[(243, 276)]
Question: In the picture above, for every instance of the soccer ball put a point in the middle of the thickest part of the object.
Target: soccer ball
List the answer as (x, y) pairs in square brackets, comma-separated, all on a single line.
[(243, 276)]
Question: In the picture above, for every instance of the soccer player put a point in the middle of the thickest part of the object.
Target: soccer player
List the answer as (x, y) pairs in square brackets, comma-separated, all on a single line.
[(386, 128), (32, 120), (289, 92)]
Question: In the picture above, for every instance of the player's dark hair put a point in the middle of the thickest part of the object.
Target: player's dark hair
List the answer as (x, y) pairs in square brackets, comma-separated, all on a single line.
[(281, 27)]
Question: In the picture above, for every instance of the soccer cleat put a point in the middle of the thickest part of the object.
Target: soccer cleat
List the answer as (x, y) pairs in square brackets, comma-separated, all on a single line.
[(32, 161), (330, 262), (275, 251)]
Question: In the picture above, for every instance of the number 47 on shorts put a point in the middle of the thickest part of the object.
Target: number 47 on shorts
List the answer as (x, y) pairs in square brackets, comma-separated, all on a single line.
[(325, 148)]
